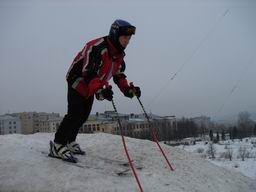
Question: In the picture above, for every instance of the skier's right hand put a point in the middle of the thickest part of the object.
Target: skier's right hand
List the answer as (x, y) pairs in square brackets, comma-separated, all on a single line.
[(105, 93)]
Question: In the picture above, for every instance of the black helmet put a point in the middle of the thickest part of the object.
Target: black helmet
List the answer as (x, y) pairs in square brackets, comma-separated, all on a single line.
[(119, 28)]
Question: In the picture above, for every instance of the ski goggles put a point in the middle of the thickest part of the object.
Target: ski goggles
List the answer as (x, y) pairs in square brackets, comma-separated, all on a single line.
[(127, 30)]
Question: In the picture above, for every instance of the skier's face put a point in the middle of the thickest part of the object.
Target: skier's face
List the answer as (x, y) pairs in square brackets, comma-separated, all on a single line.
[(124, 40)]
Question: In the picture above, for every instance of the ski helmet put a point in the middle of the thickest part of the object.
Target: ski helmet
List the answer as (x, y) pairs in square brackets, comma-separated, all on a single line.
[(119, 28)]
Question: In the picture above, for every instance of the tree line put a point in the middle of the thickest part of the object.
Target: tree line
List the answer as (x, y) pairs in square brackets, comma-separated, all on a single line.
[(186, 127)]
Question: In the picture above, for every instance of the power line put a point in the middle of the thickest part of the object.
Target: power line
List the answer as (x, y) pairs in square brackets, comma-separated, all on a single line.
[(200, 44), (191, 56), (235, 86)]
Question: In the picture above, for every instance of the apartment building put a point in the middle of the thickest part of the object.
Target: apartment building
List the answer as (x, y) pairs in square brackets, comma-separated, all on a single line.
[(27, 120), (49, 125), (32, 122), (9, 125), (134, 125), (94, 126)]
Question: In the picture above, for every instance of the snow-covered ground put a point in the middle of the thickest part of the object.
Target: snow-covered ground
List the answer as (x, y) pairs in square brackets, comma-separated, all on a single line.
[(246, 167), (25, 167)]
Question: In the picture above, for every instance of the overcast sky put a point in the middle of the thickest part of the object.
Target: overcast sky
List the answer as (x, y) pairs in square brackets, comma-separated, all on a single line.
[(190, 58)]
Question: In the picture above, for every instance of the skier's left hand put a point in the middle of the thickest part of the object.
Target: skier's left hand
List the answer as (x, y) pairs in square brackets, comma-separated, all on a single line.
[(105, 93), (132, 91), (137, 91)]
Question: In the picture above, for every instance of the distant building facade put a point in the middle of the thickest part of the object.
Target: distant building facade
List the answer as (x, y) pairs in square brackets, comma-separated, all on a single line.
[(49, 125), (134, 125), (94, 126), (33, 122), (9, 125), (27, 121)]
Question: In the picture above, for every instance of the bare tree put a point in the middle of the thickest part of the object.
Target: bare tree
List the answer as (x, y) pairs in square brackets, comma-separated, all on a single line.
[(211, 150), (243, 152), (218, 137), (211, 135), (245, 124), (229, 153), (223, 136)]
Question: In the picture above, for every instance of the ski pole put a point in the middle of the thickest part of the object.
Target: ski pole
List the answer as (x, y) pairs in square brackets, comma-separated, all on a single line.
[(153, 132), (126, 149)]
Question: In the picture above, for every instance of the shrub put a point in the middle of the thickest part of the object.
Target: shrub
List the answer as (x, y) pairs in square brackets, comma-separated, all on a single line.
[(228, 154), (200, 150)]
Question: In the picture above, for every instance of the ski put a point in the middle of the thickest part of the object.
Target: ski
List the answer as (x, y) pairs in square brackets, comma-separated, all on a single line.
[(114, 161), (126, 171), (76, 164), (108, 160), (123, 172), (118, 172)]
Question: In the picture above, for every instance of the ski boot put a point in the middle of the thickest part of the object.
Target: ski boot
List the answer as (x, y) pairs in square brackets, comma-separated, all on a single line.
[(61, 152), (75, 148)]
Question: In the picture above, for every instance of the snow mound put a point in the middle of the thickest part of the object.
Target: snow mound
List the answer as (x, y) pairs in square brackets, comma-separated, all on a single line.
[(25, 167)]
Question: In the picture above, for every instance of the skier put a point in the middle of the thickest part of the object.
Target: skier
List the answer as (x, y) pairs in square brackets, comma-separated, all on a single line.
[(88, 75)]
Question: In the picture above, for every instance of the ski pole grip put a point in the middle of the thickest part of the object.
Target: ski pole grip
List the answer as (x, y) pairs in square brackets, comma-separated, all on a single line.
[(133, 89)]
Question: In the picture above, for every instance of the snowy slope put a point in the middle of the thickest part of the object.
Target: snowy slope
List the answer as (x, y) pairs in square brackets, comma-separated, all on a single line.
[(25, 167), (247, 167)]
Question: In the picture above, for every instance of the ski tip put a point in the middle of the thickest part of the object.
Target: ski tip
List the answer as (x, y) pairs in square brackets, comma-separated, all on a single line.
[(122, 173)]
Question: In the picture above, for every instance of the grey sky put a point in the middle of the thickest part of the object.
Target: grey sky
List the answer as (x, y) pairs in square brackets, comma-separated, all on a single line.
[(209, 44)]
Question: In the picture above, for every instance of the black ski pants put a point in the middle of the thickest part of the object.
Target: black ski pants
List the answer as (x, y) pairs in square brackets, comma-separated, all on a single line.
[(79, 109)]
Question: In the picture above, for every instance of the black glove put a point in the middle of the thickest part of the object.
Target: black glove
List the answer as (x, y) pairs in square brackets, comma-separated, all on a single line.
[(132, 91), (105, 93)]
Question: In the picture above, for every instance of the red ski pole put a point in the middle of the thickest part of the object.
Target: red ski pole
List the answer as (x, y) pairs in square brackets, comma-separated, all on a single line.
[(153, 133), (126, 149)]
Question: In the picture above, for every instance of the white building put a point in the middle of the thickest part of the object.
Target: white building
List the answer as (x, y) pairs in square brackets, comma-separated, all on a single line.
[(9, 125)]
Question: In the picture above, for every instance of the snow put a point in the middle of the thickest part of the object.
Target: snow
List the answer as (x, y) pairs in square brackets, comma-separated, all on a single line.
[(25, 167), (246, 167)]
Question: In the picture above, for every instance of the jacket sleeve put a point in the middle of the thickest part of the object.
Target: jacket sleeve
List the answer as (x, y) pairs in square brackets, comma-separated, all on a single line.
[(120, 78)]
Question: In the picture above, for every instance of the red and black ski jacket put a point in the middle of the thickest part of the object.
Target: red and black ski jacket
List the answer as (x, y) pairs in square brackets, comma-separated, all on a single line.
[(94, 66)]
